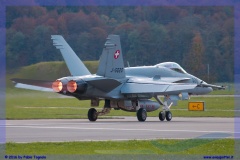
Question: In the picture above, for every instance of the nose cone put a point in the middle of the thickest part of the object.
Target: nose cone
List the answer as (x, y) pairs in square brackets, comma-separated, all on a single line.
[(207, 89)]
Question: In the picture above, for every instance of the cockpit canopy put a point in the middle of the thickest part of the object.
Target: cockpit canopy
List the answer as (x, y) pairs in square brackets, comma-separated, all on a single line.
[(173, 66)]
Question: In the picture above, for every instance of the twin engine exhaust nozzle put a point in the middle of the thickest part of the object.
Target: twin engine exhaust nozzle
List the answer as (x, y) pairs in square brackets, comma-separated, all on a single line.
[(57, 86), (72, 86)]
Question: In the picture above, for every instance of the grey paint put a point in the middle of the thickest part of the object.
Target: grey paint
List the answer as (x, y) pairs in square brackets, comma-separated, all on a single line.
[(111, 61)]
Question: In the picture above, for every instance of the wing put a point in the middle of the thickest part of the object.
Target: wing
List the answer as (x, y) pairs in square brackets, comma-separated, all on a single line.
[(158, 89), (138, 86), (175, 79), (33, 84)]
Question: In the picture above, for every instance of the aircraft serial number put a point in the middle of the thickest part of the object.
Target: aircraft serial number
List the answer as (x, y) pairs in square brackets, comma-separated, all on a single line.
[(117, 70)]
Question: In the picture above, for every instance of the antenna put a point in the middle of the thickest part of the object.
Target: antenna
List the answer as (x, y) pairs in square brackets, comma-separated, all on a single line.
[(128, 64)]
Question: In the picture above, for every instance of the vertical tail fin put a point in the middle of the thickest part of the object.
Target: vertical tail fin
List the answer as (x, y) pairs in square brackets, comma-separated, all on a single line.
[(74, 64), (111, 62)]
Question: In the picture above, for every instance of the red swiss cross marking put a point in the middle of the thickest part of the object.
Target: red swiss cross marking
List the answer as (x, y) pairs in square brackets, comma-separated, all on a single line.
[(117, 54)]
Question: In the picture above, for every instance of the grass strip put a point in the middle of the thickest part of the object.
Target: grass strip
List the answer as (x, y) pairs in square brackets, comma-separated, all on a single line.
[(163, 146)]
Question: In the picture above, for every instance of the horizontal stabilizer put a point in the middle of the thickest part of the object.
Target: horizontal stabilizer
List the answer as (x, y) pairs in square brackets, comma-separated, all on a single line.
[(74, 64), (33, 84), (31, 87)]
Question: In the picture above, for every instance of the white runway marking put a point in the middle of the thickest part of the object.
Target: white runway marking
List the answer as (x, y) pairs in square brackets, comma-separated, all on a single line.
[(56, 130), (121, 129), (115, 129)]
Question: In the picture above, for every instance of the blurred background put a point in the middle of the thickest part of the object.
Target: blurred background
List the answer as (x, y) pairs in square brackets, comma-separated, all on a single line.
[(200, 39)]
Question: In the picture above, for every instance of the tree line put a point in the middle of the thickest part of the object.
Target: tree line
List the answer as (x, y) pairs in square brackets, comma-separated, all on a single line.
[(194, 37)]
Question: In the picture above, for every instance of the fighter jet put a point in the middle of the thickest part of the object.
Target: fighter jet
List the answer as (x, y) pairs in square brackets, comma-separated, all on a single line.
[(130, 89)]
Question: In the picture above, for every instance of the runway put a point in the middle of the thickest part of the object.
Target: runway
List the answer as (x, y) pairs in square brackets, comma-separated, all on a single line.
[(124, 128)]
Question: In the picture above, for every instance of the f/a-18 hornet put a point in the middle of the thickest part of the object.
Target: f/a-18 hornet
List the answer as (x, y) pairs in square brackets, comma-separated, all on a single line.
[(129, 89)]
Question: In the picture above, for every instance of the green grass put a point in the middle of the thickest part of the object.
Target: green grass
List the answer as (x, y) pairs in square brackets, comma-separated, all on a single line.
[(166, 146), (223, 92), (230, 90), (133, 149), (27, 104)]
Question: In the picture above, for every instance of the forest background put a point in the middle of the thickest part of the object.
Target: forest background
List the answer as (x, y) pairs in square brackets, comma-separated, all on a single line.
[(194, 37)]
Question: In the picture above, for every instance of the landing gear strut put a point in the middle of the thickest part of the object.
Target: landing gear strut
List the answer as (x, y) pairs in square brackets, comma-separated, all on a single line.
[(93, 113)]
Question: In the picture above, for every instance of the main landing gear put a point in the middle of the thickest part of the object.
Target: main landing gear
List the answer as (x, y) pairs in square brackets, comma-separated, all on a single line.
[(141, 114), (93, 113)]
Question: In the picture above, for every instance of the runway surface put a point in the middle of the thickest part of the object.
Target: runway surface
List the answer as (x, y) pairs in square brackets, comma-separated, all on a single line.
[(125, 128)]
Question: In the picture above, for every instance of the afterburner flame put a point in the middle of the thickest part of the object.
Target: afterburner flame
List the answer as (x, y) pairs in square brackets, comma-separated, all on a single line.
[(57, 86), (72, 86)]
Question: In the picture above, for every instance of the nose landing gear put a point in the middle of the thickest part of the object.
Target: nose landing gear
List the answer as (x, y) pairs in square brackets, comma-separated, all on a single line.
[(166, 113)]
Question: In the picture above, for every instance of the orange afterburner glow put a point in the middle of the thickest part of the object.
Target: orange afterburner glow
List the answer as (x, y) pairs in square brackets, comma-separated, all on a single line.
[(72, 86), (57, 86)]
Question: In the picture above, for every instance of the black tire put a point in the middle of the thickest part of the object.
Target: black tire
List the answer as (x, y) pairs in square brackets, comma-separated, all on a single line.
[(168, 116), (162, 116), (142, 115), (92, 114)]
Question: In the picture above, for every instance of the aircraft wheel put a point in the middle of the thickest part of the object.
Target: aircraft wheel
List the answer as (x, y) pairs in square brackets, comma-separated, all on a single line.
[(168, 116), (92, 114), (162, 116), (142, 115)]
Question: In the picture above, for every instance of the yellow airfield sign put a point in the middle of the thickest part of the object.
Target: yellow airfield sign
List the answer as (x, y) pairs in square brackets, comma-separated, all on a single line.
[(196, 106)]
